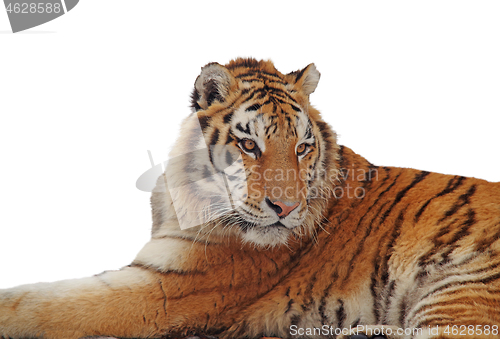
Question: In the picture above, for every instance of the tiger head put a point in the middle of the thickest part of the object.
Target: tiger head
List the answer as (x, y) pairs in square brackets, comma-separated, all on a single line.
[(254, 159)]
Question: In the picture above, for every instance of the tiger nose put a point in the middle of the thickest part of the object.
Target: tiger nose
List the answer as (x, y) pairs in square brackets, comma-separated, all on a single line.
[(282, 209)]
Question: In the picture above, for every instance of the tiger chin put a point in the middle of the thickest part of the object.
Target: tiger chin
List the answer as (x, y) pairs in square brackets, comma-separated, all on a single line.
[(264, 226)]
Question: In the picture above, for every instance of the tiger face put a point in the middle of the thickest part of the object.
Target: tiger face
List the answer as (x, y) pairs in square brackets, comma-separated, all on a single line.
[(269, 165)]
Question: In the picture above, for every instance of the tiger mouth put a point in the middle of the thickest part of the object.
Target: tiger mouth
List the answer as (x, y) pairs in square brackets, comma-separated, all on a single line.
[(247, 226), (277, 224)]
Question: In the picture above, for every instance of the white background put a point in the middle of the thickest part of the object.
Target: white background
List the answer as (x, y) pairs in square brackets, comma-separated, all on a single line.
[(82, 99)]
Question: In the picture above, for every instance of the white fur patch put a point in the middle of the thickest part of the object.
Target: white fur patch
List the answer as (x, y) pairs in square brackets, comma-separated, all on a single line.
[(267, 236), (164, 254), (302, 129), (255, 123)]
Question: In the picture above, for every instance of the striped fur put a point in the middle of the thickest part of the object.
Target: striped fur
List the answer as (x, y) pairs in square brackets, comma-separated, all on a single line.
[(359, 244)]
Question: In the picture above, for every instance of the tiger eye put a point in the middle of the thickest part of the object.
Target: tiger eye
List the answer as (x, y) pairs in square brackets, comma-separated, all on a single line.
[(249, 144), (301, 149)]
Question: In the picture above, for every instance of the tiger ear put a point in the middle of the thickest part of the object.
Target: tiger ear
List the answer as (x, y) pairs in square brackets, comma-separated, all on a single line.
[(306, 79), (213, 84)]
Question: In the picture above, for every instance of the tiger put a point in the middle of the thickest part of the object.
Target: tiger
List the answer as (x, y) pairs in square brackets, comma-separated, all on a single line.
[(264, 226)]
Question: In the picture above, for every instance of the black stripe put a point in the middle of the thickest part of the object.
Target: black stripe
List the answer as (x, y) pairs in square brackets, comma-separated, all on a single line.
[(326, 294), (402, 310), (267, 102), (424, 260), (273, 124), (252, 79), (254, 107), (221, 110), (265, 78), (241, 129), (262, 74), (309, 131), (452, 185), (322, 305), (325, 133), (384, 267), (418, 178), (464, 231), (322, 125), (380, 275), (422, 209), (373, 284), (361, 243), (287, 96), (368, 230), (341, 315), (244, 62), (289, 305), (204, 122), (388, 299), (318, 158), (228, 117), (282, 97), (298, 74), (277, 93), (195, 96), (215, 137), (213, 141), (277, 100), (229, 138), (396, 232), (483, 244), (250, 97), (341, 157), (388, 171), (461, 201), (265, 81)]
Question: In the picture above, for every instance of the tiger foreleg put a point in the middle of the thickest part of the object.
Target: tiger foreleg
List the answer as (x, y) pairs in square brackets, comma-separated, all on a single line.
[(126, 303)]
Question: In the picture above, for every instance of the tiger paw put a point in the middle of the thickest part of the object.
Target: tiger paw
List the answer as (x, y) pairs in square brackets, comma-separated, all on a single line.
[(362, 336)]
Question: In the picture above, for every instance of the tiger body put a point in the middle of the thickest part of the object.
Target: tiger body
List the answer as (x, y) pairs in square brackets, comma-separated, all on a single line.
[(344, 244)]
